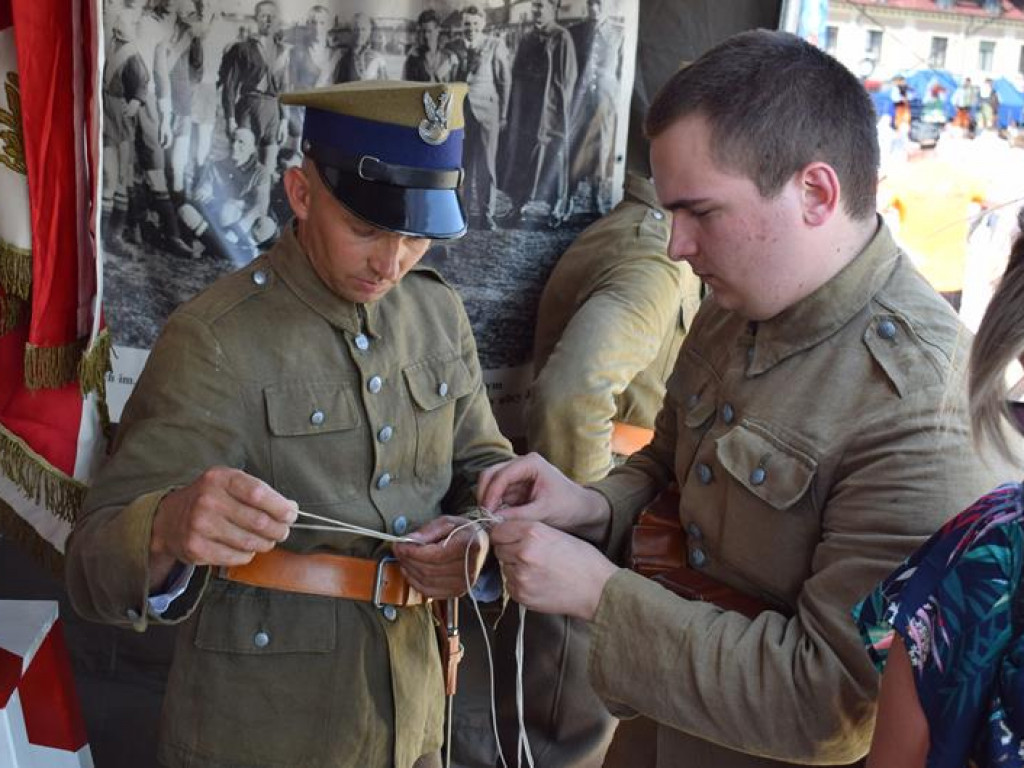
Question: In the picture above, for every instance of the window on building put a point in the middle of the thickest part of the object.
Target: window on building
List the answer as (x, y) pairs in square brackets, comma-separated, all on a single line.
[(873, 48), (937, 57), (831, 40), (986, 55)]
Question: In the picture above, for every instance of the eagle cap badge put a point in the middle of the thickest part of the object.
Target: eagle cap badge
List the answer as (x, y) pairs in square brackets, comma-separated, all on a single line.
[(434, 128)]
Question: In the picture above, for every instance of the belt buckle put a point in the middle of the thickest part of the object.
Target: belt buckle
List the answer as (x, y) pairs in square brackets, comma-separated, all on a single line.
[(378, 583)]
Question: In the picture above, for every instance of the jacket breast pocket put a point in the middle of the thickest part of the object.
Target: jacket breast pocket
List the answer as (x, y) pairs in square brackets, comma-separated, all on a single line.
[(434, 387), (770, 526), (316, 452)]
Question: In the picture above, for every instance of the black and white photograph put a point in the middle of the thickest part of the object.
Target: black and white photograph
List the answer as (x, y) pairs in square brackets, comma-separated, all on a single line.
[(195, 141)]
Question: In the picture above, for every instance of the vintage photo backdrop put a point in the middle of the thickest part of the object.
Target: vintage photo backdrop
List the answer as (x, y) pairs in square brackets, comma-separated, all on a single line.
[(194, 145)]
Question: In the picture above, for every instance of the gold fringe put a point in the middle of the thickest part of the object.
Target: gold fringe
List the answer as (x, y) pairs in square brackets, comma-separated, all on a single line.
[(15, 270), (38, 479), (24, 536), (95, 365), (11, 313), (92, 375), (52, 367)]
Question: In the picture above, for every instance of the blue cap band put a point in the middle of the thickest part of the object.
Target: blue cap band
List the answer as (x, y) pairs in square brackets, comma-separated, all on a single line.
[(386, 141)]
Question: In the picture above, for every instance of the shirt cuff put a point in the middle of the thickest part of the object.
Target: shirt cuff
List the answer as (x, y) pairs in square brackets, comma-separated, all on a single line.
[(177, 583)]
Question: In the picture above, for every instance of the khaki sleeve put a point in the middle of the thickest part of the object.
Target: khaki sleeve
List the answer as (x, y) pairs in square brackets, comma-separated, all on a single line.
[(613, 336), (798, 689), (173, 428), (477, 441)]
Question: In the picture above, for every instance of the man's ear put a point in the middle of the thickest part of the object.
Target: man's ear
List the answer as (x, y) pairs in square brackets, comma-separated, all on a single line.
[(820, 193), (297, 188)]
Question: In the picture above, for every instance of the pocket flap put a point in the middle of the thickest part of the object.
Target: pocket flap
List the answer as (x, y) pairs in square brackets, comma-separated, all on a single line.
[(309, 408), (432, 383), (240, 619), (776, 473)]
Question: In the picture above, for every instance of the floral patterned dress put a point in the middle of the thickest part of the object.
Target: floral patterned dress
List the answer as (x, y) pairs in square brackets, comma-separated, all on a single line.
[(955, 604)]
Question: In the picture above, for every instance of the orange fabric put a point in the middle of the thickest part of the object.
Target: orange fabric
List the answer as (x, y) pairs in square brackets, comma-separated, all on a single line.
[(933, 199), (627, 439)]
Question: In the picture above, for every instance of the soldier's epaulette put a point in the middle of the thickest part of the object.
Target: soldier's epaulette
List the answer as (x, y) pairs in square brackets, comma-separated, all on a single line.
[(424, 271), (232, 290)]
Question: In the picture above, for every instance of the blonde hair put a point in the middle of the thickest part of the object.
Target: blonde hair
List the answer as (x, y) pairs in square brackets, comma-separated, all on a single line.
[(998, 343)]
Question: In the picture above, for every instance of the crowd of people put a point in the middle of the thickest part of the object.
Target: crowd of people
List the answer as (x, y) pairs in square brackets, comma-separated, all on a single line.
[(189, 110)]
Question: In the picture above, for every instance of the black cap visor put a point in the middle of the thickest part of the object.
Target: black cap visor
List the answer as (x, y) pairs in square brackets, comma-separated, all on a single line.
[(417, 212)]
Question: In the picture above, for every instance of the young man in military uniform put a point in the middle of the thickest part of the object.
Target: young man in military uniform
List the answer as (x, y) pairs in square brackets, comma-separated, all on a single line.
[(330, 377), (815, 423)]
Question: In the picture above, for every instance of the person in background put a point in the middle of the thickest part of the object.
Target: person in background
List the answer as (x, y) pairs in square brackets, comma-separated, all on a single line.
[(361, 61), (947, 626), (428, 62), (812, 424), (484, 66), (935, 199), (332, 381)]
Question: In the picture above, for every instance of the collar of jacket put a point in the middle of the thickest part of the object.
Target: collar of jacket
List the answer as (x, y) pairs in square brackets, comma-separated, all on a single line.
[(642, 190), (291, 264), (818, 316)]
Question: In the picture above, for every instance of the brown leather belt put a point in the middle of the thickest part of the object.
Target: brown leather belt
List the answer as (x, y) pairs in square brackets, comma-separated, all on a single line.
[(380, 582), (627, 439)]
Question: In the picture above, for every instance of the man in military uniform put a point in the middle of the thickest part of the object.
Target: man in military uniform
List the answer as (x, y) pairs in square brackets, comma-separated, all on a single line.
[(484, 66), (330, 377), (815, 423)]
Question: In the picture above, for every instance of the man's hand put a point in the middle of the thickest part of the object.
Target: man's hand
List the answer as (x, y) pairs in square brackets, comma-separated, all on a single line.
[(223, 518), (529, 488), (438, 569), (550, 571)]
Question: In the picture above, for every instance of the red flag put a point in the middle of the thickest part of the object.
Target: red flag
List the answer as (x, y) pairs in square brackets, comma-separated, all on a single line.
[(49, 429)]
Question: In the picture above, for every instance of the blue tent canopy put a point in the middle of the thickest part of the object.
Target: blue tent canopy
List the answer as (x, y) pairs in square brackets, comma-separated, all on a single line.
[(922, 80), (1011, 102)]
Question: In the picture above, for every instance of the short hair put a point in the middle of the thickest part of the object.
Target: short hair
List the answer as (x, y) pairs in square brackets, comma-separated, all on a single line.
[(261, 3), (774, 104), (471, 10), (429, 15), (998, 343)]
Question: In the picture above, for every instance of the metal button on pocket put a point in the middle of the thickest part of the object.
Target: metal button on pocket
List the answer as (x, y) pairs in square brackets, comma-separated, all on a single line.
[(658, 215), (758, 476), (728, 414), (704, 474), (261, 639), (259, 277), (887, 330), (316, 418), (442, 389), (694, 530), (698, 558)]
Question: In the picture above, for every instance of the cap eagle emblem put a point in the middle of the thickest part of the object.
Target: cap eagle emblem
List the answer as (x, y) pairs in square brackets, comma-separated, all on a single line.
[(434, 129)]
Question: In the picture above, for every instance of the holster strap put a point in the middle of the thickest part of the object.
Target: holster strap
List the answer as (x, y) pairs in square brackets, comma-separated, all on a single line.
[(354, 578), (627, 439)]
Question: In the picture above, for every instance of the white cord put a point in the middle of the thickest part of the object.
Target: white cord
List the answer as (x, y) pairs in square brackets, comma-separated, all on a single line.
[(342, 527), (524, 740)]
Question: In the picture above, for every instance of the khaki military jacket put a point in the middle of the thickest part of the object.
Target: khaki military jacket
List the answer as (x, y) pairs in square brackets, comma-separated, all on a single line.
[(814, 451), (611, 319), (370, 414)]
